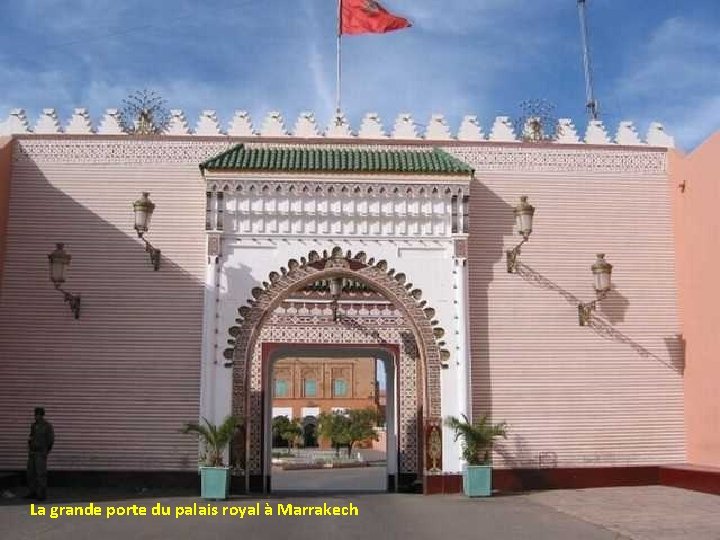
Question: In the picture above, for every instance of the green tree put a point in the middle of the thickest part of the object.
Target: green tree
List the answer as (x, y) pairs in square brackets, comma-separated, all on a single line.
[(288, 430), (348, 429), (478, 438)]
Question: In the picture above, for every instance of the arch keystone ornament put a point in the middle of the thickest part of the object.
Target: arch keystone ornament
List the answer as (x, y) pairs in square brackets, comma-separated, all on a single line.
[(418, 375)]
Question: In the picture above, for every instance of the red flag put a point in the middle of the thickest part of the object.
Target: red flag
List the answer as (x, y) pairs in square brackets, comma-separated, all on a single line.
[(368, 17)]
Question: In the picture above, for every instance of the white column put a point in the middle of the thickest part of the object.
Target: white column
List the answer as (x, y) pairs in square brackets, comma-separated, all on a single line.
[(462, 348), (210, 352)]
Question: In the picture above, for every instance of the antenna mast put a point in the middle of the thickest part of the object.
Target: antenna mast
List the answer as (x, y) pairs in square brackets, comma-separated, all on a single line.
[(591, 104)]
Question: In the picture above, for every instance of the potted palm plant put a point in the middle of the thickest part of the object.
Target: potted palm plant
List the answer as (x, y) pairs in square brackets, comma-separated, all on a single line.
[(478, 439), (214, 476)]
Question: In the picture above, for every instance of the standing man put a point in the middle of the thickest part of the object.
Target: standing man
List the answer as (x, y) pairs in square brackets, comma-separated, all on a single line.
[(40, 443)]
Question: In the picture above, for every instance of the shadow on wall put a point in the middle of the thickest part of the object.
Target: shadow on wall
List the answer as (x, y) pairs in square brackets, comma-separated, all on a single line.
[(614, 306), (615, 311), (119, 382), (518, 454), (491, 221)]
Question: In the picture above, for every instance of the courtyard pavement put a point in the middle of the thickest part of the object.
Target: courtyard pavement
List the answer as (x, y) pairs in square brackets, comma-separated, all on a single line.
[(655, 512), (352, 479)]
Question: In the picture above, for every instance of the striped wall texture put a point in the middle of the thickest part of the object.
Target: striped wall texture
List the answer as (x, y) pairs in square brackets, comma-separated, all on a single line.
[(570, 396), (119, 383), (5, 170)]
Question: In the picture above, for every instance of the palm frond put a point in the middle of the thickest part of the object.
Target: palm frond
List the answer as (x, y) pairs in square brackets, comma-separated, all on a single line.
[(477, 437), (214, 438)]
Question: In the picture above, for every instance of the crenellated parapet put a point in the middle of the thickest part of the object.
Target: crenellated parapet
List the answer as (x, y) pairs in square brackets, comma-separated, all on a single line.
[(404, 127)]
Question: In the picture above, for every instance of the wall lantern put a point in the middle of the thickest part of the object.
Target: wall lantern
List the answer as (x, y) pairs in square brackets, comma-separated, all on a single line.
[(336, 286), (602, 272), (524, 213), (144, 209), (59, 261)]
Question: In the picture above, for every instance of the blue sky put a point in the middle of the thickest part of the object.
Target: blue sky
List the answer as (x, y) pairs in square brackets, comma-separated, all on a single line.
[(653, 59)]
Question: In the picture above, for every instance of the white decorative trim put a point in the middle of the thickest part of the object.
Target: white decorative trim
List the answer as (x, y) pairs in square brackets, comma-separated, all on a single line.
[(80, 122), (627, 134), (333, 209), (178, 123), (273, 126), (566, 132), (110, 124), (502, 130), (371, 127), (470, 129), (16, 122), (125, 150), (241, 125), (438, 129), (338, 128), (483, 157), (525, 158), (596, 133), (48, 122), (657, 136), (306, 126), (208, 124), (404, 127)]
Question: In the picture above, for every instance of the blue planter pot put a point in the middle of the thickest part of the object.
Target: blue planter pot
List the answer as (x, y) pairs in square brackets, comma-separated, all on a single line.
[(214, 482), (477, 480)]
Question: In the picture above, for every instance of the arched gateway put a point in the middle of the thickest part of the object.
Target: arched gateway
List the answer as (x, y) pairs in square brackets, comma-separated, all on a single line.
[(297, 217), (406, 334)]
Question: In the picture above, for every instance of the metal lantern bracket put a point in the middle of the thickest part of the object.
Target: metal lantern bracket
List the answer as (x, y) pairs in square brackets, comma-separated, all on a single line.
[(586, 309), (73, 300), (154, 254), (512, 255)]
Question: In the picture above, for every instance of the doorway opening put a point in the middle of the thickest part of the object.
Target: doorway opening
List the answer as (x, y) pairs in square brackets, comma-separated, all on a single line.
[(330, 423)]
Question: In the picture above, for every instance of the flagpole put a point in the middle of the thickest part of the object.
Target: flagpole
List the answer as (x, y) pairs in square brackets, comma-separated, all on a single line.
[(337, 66)]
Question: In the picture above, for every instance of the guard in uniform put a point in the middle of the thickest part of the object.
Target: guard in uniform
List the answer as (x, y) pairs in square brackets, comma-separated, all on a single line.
[(42, 438)]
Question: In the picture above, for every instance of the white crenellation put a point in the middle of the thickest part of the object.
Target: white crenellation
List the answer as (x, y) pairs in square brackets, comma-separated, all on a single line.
[(596, 133), (80, 122), (371, 127), (16, 122), (178, 124), (404, 127), (273, 125), (657, 136), (470, 129), (566, 132), (48, 122), (502, 130), (437, 129), (208, 124), (339, 127), (627, 134), (110, 124), (241, 125), (306, 126)]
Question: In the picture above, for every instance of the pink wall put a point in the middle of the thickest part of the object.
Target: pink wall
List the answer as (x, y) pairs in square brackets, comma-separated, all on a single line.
[(5, 168), (572, 396), (698, 259)]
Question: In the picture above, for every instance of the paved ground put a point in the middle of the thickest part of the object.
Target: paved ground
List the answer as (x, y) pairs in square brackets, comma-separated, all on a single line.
[(359, 479), (611, 513)]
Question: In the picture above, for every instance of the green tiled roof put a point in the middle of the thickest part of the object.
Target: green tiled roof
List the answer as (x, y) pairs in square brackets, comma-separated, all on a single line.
[(294, 159)]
